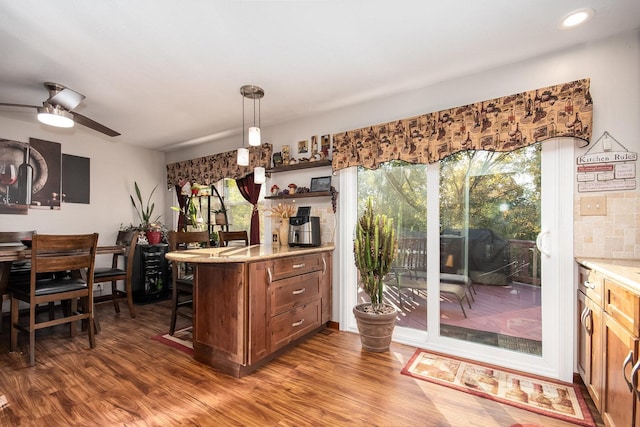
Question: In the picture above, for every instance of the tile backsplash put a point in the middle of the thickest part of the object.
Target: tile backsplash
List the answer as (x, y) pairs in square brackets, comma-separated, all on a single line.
[(614, 235)]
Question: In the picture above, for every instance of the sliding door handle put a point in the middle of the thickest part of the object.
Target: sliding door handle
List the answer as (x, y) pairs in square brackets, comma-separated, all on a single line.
[(539, 243)]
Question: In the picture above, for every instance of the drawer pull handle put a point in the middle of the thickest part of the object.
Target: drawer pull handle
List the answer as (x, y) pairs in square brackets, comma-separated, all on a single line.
[(299, 291), (589, 321), (269, 274), (589, 285), (298, 265), (586, 314), (324, 266), (627, 361), (634, 376), (298, 323)]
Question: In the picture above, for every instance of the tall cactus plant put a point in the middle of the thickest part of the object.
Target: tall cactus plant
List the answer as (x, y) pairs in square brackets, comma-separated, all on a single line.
[(374, 248)]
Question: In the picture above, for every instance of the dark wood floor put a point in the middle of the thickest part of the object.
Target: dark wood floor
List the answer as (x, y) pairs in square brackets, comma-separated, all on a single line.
[(130, 379)]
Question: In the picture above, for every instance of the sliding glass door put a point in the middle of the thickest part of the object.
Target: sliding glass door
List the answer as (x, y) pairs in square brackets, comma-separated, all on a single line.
[(467, 228)]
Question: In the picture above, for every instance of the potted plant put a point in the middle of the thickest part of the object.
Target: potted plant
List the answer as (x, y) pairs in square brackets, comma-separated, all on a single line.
[(375, 247), (149, 224)]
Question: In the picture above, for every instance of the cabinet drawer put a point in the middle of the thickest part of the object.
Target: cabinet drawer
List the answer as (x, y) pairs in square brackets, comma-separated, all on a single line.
[(294, 266), (623, 305), (289, 293), (294, 323), (591, 284)]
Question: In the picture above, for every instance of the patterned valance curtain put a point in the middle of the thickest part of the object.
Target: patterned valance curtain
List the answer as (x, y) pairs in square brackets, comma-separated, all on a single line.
[(502, 124), (211, 169)]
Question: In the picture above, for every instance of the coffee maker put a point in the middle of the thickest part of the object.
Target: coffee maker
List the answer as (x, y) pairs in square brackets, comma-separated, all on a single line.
[(304, 230)]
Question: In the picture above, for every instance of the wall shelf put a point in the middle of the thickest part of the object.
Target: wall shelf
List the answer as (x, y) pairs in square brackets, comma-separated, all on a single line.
[(298, 166), (301, 195)]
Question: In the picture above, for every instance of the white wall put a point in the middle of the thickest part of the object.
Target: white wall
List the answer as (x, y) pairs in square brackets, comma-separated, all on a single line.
[(114, 168)]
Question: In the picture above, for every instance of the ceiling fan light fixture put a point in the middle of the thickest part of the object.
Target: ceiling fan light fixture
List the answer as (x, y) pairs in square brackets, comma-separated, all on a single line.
[(55, 116)]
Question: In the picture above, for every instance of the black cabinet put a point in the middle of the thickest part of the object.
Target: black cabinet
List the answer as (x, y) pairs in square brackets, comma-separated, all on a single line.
[(150, 273)]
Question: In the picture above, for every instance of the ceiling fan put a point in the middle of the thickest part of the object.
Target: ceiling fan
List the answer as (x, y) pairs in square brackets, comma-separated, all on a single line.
[(57, 110)]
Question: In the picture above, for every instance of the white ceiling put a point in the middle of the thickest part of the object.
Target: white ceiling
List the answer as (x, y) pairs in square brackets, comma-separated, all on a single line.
[(168, 72)]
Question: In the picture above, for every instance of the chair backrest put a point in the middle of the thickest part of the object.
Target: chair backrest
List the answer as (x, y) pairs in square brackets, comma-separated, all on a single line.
[(14, 236), (178, 239), (130, 240), (228, 236), (54, 252), (125, 237)]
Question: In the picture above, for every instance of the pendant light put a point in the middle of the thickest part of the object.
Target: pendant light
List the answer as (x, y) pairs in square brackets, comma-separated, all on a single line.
[(255, 93), (259, 175)]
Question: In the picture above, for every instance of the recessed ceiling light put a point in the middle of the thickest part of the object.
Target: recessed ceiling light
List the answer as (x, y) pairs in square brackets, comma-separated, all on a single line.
[(576, 18)]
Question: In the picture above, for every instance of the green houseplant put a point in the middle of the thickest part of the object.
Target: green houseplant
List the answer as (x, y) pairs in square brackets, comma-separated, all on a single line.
[(148, 223), (375, 247)]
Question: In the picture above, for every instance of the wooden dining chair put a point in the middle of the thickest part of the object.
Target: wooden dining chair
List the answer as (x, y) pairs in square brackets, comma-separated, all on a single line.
[(182, 275), (71, 259), (230, 236), (119, 272), (5, 267)]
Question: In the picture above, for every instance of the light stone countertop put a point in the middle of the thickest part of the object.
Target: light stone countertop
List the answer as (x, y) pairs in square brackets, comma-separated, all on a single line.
[(624, 271), (232, 254)]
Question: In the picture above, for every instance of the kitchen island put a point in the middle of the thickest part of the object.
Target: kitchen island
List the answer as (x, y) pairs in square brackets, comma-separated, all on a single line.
[(252, 303)]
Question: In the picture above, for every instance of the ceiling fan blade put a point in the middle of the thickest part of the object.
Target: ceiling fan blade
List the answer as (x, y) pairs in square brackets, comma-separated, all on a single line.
[(6, 104), (85, 121)]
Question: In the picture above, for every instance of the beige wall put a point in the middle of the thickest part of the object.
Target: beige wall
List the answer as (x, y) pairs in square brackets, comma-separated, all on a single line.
[(614, 235)]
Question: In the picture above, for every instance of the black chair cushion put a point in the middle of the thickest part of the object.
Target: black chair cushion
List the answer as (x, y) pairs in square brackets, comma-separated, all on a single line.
[(107, 272), (50, 286)]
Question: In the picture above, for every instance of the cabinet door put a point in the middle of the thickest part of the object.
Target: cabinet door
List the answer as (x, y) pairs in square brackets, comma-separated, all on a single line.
[(621, 353), (590, 349)]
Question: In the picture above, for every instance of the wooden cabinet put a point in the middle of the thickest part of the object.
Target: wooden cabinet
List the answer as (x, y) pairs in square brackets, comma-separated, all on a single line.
[(248, 313), (608, 337), (618, 403), (590, 334), (621, 344)]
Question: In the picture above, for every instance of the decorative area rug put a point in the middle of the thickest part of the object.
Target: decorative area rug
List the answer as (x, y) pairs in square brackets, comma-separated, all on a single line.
[(544, 396), (181, 339)]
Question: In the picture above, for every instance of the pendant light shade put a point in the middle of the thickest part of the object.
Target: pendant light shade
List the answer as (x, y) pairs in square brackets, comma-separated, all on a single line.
[(254, 136), (259, 175), (243, 156)]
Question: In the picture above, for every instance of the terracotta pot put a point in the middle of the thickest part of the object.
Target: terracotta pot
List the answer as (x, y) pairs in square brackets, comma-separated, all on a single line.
[(376, 330), (153, 237)]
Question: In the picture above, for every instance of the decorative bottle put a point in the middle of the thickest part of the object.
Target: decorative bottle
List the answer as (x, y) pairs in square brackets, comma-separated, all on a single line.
[(25, 178)]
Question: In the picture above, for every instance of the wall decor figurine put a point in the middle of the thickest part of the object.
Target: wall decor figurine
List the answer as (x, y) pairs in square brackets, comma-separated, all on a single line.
[(303, 146), (277, 159), (325, 146)]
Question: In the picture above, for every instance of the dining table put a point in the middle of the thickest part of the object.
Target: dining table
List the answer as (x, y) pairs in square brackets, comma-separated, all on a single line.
[(19, 252)]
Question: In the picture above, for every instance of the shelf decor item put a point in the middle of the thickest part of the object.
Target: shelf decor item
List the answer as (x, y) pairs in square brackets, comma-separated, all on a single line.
[(284, 212)]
